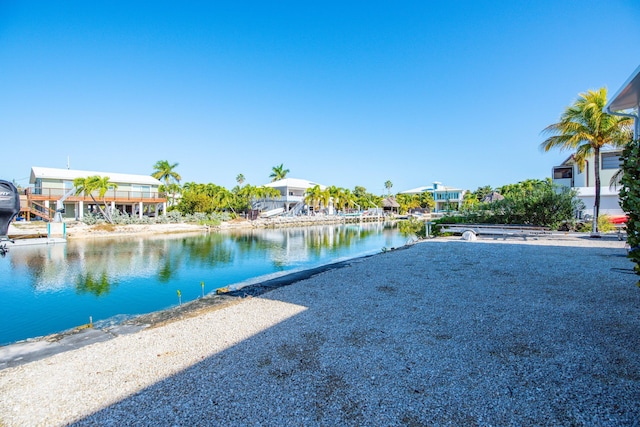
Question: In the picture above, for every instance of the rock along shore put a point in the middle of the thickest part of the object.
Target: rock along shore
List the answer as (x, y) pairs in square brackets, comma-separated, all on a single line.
[(78, 230), (492, 332)]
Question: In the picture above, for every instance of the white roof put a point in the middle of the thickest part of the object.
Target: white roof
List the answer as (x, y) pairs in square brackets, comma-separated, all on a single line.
[(430, 188), (294, 183), (415, 190), (71, 174)]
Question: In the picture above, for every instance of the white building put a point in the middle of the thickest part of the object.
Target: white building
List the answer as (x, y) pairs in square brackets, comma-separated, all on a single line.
[(134, 195), (568, 174), (447, 198), (292, 194)]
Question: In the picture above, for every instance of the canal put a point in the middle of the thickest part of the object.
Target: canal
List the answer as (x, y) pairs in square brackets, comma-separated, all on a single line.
[(49, 289)]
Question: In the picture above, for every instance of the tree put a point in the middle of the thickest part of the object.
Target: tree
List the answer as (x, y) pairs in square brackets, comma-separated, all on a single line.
[(240, 179), (164, 171), (585, 128), (482, 192), (313, 197), (426, 200), (278, 173), (407, 202), (172, 189), (388, 184), (348, 199), (225, 199), (470, 200), (100, 184), (530, 202)]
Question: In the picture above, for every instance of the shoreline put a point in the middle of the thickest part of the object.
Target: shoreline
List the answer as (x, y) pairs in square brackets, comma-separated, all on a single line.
[(36, 348), (79, 230)]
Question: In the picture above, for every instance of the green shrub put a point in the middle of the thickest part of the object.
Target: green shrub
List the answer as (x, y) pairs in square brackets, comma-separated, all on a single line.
[(605, 225), (413, 227), (630, 199), (531, 202)]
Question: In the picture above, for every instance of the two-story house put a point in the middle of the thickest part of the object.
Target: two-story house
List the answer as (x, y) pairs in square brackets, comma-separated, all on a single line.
[(292, 194), (447, 198), (135, 194), (583, 180)]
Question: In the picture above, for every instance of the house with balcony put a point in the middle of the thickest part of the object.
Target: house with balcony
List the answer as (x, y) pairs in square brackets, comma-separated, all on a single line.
[(292, 195), (447, 198), (582, 179), (135, 194)]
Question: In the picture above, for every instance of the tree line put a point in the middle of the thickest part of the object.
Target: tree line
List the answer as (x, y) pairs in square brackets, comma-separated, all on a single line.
[(193, 197)]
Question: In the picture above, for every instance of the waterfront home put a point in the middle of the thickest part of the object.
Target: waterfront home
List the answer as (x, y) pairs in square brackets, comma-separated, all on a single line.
[(582, 179), (135, 194), (447, 198), (292, 195)]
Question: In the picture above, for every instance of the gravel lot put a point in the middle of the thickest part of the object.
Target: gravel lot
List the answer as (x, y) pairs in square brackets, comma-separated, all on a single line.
[(445, 332)]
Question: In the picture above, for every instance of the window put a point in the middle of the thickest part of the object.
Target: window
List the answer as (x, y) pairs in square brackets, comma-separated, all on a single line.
[(562, 173), (610, 161)]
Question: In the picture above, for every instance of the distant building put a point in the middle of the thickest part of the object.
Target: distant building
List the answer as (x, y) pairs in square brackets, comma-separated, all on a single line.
[(568, 174), (135, 195), (292, 194), (447, 198)]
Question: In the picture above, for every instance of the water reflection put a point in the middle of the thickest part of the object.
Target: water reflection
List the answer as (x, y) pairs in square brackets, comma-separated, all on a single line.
[(96, 285), (126, 276), (97, 265)]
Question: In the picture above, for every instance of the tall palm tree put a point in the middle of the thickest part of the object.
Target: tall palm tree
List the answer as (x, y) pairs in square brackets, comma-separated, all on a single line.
[(313, 196), (240, 179), (278, 173), (325, 197), (337, 197), (388, 184), (348, 199), (225, 199), (101, 184), (164, 171), (585, 128)]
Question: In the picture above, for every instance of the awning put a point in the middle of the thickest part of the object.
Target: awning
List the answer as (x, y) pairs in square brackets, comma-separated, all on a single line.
[(628, 96)]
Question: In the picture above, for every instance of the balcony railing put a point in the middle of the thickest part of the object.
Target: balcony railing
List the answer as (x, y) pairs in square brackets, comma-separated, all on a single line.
[(111, 195)]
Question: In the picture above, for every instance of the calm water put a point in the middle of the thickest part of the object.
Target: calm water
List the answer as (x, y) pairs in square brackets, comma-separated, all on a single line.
[(48, 289)]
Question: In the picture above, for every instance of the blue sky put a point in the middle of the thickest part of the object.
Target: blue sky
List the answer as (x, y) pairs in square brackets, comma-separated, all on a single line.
[(342, 93)]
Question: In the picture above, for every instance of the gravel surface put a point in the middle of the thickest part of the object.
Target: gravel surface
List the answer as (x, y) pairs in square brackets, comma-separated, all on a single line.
[(445, 332)]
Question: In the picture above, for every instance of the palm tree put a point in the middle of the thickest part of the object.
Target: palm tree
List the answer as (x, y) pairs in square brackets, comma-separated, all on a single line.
[(164, 171), (240, 179), (325, 198), (278, 173), (585, 128), (313, 196), (338, 197), (388, 184), (348, 199), (225, 199), (97, 183)]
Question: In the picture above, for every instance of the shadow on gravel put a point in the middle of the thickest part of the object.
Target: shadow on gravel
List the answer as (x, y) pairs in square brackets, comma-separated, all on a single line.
[(439, 334)]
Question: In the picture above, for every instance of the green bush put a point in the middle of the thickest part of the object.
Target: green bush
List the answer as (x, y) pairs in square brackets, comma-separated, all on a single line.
[(630, 199), (413, 227), (605, 225), (531, 202)]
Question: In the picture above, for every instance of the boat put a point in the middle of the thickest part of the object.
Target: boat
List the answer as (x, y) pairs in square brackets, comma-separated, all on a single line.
[(272, 212), (9, 208)]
